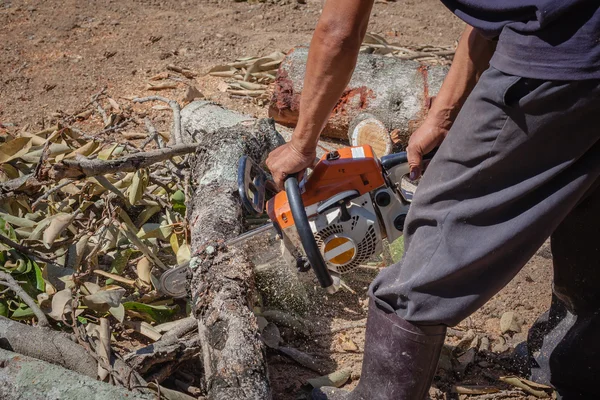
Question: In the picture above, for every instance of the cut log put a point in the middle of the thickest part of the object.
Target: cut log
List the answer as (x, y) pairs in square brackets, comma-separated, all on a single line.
[(398, 92), (368, 129), (25, 377), (222, 288)]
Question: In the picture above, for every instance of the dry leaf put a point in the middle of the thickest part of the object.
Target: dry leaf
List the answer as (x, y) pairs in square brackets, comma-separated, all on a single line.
[(138, 186), (169, 394), (118, 312), (183, 255), (144, 268), (145, 329), (162, 86), (158, 231), (536, 389), (134, 135), (103, 300), (347, 344), (271, 336), (335, 379), (114, 105), (475, 389), (84, 150), (115, 277), (103, 349), (61, 304), (160, 76), (107, 153), (14, 149), (58, 224), (174, 243), (191, 94)]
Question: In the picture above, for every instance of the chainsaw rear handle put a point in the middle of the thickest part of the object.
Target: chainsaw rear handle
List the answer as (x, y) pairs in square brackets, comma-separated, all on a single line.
[(307, 237), (392, 160)]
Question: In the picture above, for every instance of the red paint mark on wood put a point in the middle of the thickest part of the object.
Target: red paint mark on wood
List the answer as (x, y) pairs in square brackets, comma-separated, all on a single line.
[(285, 103), (353, 99)]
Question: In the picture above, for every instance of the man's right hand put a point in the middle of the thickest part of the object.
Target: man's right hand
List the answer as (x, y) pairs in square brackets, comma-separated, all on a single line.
[(472, 57), (287, 160), (426, 138)]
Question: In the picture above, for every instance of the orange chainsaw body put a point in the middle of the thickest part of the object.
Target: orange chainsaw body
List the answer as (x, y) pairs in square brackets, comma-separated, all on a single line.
[(349, 168)]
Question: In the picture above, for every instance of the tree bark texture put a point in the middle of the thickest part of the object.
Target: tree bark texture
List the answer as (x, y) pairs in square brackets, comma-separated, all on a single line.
[(47, 345), (398, 92), (23, 377), (222, 288)]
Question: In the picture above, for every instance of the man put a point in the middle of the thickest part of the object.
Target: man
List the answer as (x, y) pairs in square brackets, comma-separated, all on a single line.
[(520, 162)]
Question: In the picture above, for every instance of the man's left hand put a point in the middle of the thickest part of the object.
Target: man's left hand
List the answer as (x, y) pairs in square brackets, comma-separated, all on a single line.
[(287, 160)]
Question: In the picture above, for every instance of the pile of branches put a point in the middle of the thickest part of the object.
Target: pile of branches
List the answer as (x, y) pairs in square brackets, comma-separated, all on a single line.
[(429, 55), (88, 223)]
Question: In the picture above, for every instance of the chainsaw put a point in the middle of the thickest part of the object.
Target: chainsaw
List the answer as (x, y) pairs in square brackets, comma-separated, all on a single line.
[(334, 220)]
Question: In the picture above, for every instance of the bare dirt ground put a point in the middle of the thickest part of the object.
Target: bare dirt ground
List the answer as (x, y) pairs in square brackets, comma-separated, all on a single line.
[(55, 54)]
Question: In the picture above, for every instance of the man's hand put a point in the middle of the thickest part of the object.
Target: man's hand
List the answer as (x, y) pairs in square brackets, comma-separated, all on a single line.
[(471, 59), (426, 138), (287, 160)]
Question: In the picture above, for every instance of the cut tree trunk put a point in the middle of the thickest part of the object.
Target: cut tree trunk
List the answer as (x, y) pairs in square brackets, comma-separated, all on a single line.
[(398, 92), (222, 288), (23, 377)]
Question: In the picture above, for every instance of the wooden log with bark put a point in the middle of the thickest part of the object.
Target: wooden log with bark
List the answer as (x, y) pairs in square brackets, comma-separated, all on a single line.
[(26, 377), (397, 92), (222, 289)]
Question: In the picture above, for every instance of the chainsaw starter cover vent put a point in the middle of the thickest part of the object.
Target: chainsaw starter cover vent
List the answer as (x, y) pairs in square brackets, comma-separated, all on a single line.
[(364, 250)]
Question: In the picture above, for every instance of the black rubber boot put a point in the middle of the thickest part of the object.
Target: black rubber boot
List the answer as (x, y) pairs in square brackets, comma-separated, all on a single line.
[(399, 362)]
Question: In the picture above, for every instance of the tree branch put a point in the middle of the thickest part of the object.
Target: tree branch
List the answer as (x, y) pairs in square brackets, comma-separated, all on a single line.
[(9, 282), (77, 169)]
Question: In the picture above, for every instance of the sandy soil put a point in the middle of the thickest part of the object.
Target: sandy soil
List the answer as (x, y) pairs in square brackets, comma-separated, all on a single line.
[(55, 54)]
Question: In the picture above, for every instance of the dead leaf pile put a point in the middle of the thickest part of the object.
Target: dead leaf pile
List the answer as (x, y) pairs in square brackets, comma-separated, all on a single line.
[(107, 236), (87, 248)]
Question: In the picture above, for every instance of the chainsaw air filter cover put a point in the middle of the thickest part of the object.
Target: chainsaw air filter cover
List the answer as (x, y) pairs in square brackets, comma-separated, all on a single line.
[(350, 239)]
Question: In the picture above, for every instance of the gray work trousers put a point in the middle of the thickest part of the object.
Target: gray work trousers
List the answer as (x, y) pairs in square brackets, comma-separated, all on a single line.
[(520, 164)]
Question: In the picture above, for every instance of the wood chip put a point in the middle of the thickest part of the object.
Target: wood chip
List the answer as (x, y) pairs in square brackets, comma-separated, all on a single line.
[(162, 86)]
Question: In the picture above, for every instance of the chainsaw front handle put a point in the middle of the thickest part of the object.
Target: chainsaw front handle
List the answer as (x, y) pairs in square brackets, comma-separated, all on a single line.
[(306, 235)]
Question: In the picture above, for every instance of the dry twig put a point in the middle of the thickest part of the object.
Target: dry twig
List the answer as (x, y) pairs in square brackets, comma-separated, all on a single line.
[(154, 135), (177, 138), (24, 250)]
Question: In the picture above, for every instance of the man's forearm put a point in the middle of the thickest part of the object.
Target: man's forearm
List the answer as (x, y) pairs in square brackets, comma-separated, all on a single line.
[(472, 57), (331, 61)]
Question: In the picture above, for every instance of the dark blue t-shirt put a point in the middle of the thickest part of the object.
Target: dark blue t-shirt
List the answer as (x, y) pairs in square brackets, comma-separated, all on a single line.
[(544, 39)]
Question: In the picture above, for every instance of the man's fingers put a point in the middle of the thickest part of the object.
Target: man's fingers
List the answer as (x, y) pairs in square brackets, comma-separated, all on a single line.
[(278, 183), (415, 159)]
